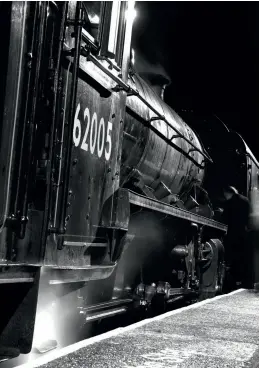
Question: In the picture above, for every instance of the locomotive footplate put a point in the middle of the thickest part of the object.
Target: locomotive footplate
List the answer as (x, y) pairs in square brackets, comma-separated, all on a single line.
[(155, 205)]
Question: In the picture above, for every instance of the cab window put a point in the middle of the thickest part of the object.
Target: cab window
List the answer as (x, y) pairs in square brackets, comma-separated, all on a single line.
[(104, 27), (93, 11)]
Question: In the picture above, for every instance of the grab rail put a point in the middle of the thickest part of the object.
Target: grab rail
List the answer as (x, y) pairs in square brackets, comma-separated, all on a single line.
[(134, 92)]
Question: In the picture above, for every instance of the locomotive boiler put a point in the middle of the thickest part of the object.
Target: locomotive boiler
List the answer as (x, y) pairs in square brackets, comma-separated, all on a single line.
[(108, 197)]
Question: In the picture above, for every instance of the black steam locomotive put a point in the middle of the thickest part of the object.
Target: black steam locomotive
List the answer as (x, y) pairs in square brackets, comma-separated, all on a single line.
[(107, 196)]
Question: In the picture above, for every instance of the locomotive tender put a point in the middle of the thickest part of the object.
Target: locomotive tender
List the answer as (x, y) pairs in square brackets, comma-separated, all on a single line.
[(105, 189)]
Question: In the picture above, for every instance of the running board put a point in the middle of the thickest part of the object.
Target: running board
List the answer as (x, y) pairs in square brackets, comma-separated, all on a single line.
[(157, 206)]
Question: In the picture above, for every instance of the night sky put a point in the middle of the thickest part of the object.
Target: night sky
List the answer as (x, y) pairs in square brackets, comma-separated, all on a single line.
[(211, 52)]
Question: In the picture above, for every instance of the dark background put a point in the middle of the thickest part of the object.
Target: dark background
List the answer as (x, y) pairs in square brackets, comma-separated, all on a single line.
[(211, 52)]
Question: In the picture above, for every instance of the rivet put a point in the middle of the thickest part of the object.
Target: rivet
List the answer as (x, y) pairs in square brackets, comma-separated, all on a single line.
[(87, 216), (75, 161), (109, 169)]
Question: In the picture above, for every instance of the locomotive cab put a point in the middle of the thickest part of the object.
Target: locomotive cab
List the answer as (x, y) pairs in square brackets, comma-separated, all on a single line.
[(60, 134)]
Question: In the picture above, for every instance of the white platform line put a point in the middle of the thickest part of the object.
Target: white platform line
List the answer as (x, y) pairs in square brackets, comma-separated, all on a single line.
[(55, 354)]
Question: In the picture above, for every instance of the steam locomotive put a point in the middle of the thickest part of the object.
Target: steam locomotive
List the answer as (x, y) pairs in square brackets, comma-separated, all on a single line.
[(108, 198)]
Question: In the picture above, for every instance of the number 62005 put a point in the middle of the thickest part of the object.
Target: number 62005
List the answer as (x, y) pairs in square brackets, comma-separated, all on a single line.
[(96, 137)]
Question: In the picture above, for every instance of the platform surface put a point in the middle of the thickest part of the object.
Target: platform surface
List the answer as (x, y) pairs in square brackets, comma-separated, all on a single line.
[(220, 332)]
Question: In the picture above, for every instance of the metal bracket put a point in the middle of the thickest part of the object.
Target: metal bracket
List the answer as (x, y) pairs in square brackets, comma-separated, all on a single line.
[(175, 136), (154, 118), (18, 224), (132, 92)]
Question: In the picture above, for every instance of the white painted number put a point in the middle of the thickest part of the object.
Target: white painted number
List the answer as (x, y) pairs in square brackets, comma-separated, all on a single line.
[(77, 128), (97, 134), (93, 131), (84, 145), (109, 141), (100, 139)]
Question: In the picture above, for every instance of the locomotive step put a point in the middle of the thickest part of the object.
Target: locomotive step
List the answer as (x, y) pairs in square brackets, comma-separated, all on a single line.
[(85, 244), (106, 314), (106, 310), (106, 305)]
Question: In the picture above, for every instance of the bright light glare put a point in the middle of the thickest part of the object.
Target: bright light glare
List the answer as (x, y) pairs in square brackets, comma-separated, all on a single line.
[(44, 328), (94, 19), (133, 57), (130, 14)]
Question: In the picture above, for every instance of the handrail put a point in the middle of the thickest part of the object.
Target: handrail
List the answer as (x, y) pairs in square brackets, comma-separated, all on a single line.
[(161, 117), (169, 142), (72, 108), (132, 91), (252, 158)]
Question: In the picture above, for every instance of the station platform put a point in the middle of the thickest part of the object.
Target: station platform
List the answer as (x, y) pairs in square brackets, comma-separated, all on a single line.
[(218, 332)]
